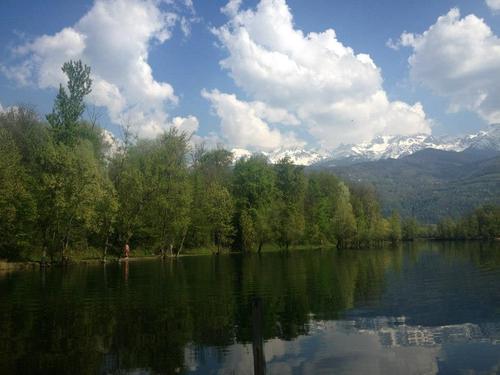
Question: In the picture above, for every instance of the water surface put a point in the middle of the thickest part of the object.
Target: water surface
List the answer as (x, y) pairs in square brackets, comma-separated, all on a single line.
[(427, 308)]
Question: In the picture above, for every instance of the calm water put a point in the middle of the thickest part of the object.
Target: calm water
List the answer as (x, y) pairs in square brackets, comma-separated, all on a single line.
[(430, 308)]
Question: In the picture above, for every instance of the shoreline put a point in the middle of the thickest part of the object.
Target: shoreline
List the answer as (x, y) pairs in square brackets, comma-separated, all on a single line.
[(7, 266)]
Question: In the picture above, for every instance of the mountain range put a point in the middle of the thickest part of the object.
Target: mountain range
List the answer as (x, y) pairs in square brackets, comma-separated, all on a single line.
[(384, 147)]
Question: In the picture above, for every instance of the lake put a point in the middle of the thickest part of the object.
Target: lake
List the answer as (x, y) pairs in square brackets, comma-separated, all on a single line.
[(424, 308)]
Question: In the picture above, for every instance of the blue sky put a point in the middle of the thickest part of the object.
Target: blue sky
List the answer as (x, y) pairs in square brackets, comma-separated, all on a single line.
[(240, 103)]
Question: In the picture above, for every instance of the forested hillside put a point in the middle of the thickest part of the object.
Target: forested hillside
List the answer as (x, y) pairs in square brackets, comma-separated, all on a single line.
[(431, 184)]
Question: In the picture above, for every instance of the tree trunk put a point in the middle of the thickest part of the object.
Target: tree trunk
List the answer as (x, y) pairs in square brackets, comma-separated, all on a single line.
[(106, 244), (182, 242)]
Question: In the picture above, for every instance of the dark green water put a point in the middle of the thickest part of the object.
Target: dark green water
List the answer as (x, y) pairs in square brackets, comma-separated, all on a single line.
[(430, 308)]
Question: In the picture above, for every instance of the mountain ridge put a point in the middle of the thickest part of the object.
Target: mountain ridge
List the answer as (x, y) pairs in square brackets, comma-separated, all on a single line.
[(383, 147), (430, 184)]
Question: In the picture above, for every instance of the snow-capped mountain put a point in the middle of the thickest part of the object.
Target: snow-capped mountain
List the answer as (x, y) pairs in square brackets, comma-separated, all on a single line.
[(485, 140), (298, 156), (385, 147)]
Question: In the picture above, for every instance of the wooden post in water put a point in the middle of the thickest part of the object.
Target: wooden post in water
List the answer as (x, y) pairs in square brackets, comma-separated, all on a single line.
[(259, 360)]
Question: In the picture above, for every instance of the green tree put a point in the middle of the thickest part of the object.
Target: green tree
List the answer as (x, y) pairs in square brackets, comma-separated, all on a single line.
[(289, 216), (69, 105), (17, 210), (344, 221), (219, 210), (395, 227), (321, 194), (255, 196), (212, 205)]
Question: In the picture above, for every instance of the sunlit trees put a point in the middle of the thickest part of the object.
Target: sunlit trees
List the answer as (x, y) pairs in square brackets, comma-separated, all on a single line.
[(254, 189), (344, 223), (288, 220), (17, 210), (319, 208), (212, 206)]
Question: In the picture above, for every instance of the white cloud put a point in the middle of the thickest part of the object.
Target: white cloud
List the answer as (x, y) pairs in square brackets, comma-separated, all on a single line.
[(188, 124), (243, 123), (114, 38), (332, 91), (459, 58), (494, 5)]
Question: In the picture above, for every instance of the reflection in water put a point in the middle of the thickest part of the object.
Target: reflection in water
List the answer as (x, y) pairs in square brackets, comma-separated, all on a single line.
[(394, 332), (259, 359), (420, 309)]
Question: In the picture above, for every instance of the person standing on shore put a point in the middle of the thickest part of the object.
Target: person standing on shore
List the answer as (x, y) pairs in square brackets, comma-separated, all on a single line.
[(126, 250)]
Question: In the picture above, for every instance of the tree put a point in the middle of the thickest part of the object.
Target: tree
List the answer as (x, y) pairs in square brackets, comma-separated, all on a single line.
[(154, 190), (255, 196), (344, 220), (70, 186), (219, 214), (322, 190), (17, 210), (289, 222), (395, 227), (212, 206), (69, 105), (410, 229)]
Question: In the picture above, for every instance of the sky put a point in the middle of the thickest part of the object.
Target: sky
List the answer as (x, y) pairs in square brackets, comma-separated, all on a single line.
[(262, 75)]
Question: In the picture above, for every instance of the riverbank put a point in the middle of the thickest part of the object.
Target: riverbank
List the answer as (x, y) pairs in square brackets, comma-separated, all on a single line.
[(92, 257)]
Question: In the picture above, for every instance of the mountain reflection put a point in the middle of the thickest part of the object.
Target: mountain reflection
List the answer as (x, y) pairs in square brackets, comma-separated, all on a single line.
[(367, 346), (394, 332)]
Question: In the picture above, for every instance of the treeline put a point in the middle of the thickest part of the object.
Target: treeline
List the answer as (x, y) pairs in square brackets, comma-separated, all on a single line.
[(483, 223), (61, 189)]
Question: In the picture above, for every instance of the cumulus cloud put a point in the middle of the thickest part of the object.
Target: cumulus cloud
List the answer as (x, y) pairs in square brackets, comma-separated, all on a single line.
[(459, 58), (114, 38), (334, 93), (494, 5), (243, 123), (188, 124)]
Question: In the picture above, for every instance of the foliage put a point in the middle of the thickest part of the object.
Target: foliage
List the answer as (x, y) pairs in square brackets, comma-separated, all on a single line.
[(482, 223), (69, 105)]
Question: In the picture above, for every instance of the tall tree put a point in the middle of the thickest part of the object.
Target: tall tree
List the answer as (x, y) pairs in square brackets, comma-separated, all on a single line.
[(69, 103)]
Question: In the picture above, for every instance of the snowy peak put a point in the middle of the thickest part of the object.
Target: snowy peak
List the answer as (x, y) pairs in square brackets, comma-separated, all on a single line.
[(298, 156), (385, 147), (485, 140)]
